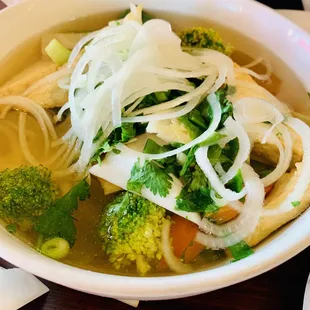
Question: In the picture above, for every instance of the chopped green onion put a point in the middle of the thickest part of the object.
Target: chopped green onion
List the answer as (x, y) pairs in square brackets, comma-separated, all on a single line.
[(57, 52), (11, 228), (161, 96), (295, 203), (240, 250), (56, 248)]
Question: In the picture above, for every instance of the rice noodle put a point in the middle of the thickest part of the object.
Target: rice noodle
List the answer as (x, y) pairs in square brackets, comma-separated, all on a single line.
[(23, 140), (172, 261), (244, 224)]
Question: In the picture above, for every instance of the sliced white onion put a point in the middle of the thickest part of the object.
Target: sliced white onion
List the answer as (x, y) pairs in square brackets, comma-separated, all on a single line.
[(257, 132), (177, 112), (216, 110), (199, 91), (244, 224), (244, 148), (205, 165), (255, 110), (172, 261), (218, 201), (302, 183)]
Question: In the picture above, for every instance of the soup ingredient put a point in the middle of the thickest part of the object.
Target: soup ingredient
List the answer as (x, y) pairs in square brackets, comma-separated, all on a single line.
[(183, 233), (116, 168), (130, 230), (240, 250), (18, 84), (150, 175), (172, 261), (18, 288), (25, 193), (145, 16), (56, 248), (200, 37), (57, 52), (57, 220)]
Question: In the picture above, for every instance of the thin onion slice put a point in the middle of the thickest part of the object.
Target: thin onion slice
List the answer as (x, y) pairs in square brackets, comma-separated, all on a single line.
[(244, 148), (236, 230), (172, 261), (302, 184), (205, 165)]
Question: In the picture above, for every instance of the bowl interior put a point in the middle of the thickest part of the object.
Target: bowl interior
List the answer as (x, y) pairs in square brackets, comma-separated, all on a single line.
[(276, 39)]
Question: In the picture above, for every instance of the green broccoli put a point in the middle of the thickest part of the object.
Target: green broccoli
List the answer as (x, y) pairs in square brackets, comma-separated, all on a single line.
[(25, 193), (130, 229), (201, 37)]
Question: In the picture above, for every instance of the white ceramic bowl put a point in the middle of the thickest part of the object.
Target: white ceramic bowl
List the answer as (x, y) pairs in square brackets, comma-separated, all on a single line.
[(290, 43)]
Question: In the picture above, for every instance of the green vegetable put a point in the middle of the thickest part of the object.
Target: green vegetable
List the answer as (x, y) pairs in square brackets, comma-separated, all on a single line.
[(161, 96), (130, 230), (150, 175), (25, 193), (240, 250), (57, 220), (236, 183), (11, 228), (56, 248), (193, 130), (145, 16), (200, 37), (295, 203), (195, 195), (57, 52)]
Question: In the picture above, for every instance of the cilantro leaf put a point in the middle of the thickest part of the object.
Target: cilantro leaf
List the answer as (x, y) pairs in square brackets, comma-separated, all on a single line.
[(57, 220), (195, 201), (240, 250), (150, 175), (11, 228)]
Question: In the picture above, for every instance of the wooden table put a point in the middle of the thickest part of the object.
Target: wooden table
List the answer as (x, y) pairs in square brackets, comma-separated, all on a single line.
[(279, 289)]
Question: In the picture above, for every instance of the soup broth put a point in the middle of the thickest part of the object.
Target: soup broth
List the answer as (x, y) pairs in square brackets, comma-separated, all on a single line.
[(87, 252)]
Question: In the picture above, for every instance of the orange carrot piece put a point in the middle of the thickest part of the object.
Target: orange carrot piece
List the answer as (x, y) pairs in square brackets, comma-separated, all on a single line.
[(192, 251), (268, 189), (223, 215)]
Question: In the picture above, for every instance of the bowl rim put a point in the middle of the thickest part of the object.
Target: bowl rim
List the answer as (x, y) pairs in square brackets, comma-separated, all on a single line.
[(167, 287)]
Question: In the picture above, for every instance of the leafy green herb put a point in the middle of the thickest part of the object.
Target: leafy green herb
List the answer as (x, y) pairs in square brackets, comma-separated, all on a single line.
[(295, 203), (240, 250), (150, 175), (57, 220), (196, 201), (170, 164), (11, 228), (236, 183)]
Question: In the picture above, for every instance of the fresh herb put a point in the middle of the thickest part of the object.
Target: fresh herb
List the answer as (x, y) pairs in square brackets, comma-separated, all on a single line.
[(240, 250), (196, 201), (150, 175), (57, 220), (195, 195), (11, 228), (170, 164), (236, 183), (295, 203)]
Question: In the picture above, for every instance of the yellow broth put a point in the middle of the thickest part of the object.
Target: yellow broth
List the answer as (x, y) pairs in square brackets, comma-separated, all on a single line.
[(87, 252)]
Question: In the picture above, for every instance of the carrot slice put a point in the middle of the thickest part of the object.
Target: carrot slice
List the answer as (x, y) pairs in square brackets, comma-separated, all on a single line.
[(192, 251), (268, 189), (223, 215)]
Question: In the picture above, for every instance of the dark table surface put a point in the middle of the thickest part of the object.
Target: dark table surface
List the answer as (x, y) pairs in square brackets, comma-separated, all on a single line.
[(279, 289)]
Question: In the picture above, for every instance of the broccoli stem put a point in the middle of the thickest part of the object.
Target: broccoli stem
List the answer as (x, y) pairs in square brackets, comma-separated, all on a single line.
[(56, 248)]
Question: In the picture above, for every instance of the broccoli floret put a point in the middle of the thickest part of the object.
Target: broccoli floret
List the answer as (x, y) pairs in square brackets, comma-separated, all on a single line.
[(201, 37), (130, 229), (25, 193)]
